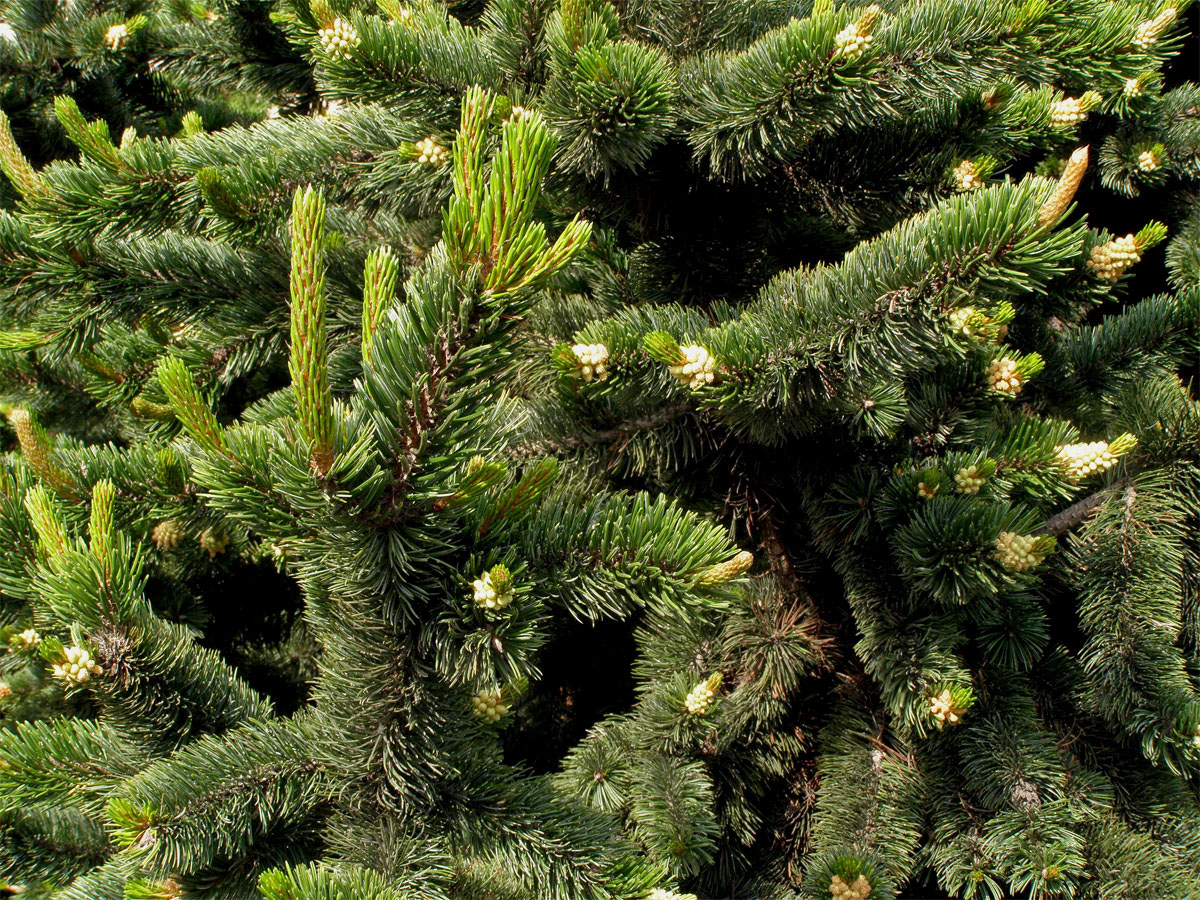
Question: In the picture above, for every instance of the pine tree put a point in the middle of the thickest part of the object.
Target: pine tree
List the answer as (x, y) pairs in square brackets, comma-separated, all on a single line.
[(625, 451), (140, 69)]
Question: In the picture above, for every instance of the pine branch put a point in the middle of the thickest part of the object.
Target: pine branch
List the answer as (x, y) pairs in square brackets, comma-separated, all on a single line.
[(617, 434), (1077, 513)]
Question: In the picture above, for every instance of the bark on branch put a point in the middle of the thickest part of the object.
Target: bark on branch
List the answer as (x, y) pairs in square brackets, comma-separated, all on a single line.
[(1074, 515)]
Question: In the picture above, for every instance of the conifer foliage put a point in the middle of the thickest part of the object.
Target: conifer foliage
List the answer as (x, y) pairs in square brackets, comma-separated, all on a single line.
[(140, 69), (634, 450)]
